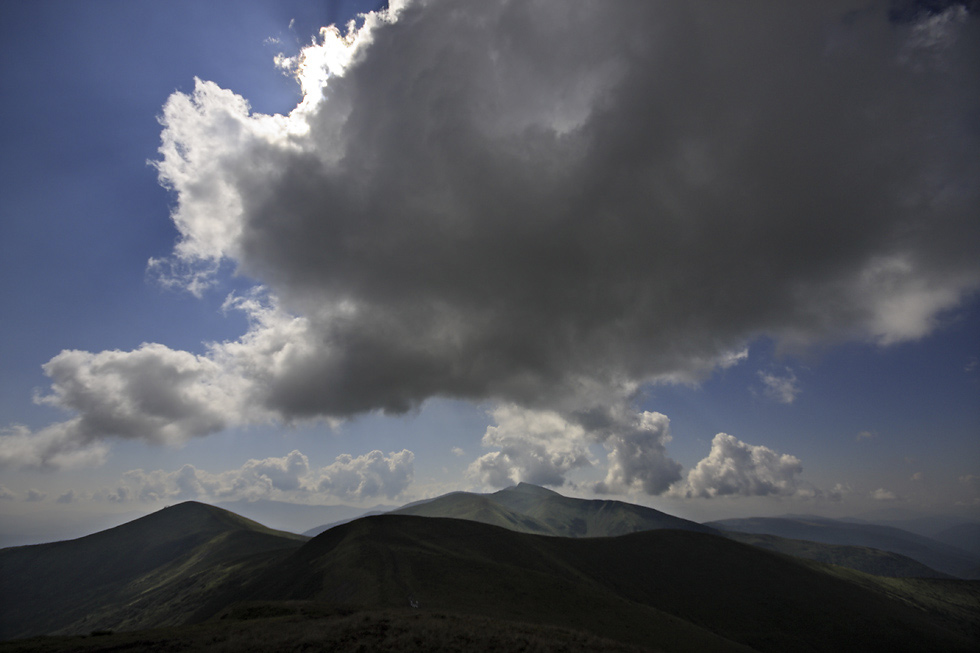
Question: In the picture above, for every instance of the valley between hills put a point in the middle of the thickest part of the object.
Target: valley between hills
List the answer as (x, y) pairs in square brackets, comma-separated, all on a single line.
[(523, 569)]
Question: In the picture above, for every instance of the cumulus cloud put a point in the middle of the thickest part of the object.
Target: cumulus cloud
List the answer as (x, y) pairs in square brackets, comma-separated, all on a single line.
[(637, 456), (534, 446), (35, 495), (544, 446), (6, 494), (733, 467), (971, 487), (370, 475), (780, 388), (550, 206), (67, 497), (881, 494), (58, 446), (288, 477)]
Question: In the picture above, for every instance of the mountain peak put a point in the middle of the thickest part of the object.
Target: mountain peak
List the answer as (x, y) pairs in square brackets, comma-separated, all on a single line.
[(529, 488)]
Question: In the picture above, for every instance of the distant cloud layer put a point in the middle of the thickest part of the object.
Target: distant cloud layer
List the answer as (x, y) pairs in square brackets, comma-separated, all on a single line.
[(348, 478), (547, 205)]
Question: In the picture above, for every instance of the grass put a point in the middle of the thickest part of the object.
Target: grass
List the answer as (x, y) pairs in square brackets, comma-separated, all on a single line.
[(310, 626), (531, 509), (678, 590)]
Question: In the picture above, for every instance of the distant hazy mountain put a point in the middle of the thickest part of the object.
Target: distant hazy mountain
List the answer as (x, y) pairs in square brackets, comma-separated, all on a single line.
[(860, 558), (930, 552), (527, 508), (313, 532), (294, 517), (963, 536), (153, 571)]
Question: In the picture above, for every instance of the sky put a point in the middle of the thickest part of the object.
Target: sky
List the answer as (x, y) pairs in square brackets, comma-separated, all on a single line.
[(721, 259)]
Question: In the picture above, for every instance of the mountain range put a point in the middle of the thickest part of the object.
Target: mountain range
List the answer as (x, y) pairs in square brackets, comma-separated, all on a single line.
[(564, 574), (938, 555), (527, 508)]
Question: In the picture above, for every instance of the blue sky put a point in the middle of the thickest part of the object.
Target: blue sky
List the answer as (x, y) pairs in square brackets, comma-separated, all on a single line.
[(574, 265)]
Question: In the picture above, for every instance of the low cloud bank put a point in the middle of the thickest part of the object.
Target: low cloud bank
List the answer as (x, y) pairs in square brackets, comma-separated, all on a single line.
[(348, 478)]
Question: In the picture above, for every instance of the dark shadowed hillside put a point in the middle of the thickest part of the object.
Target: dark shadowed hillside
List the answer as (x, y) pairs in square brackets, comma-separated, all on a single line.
[(400, 582), (148, 572), (678, 590), (261, 628)]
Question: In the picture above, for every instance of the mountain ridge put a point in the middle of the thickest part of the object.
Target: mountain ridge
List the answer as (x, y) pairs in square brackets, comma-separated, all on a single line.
[(145, 557), (687, 589), (528, 508), (937, 555)]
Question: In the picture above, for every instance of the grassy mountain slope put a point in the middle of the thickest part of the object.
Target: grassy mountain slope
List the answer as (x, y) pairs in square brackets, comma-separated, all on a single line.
[(527, 508), (479, 508), (678, 590), (136, 575), (260, 628), (936, 555), (571, 517), (470, 568)]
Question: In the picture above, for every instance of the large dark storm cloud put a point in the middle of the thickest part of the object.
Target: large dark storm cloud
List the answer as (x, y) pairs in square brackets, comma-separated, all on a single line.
[(515, 196)]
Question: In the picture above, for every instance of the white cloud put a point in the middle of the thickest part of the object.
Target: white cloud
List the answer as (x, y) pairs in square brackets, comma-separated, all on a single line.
[(58, 446), (733, 467), (881, 494), (544, 446), (637, 457), (525, 202), (284, 478), (838, 492), (67, 497), (154, 393), (780, 388), (932, 36), (458, 452), (865, 435), (35, 495), (6, 494), (367, 476), (535, 446)]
